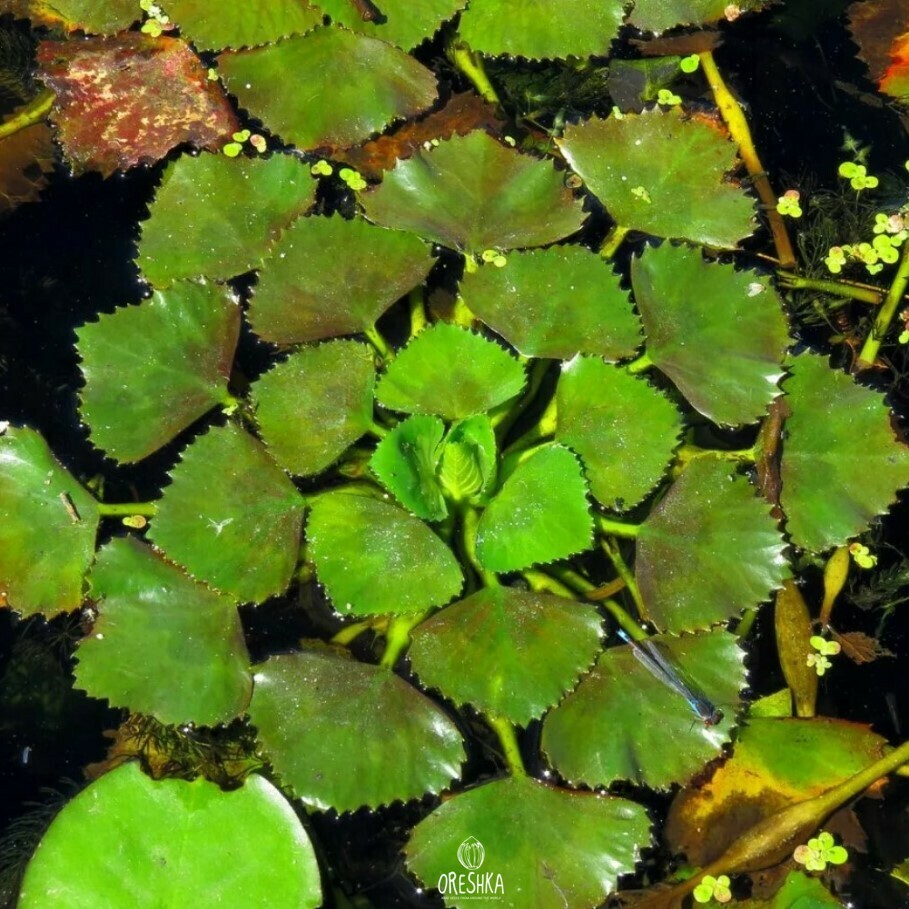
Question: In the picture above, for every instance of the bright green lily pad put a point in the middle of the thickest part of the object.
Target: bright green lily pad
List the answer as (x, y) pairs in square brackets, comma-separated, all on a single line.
[(471, 192), (709, 550), (660, 15), (162, 644), (552, 847), (541, 514), (169, 842), (406, 462), (535, 647), (153, 369), (380, 84), (469, 467), (48, 524), (842, 465), (217, 216), (215, 24), (376, 558), (452, 372), (718, 333), (555, 303), (541, 29), (617, 723), (330, 276), (344, 734), (662, 174), (405, 23), (623, 428), (315, 404), (230, 516)]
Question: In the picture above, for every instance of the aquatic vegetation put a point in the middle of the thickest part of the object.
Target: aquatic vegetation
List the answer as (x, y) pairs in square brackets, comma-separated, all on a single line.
[(489, 439)]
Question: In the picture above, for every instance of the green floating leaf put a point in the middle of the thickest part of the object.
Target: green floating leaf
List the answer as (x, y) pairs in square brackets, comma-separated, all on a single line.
[(380, 84), (403, 22), (469, 467), (623, 428), (472, 193), (173, 842), (662, 174), (540, 29), (555, 303), (405, 462), (100, 17), (718, 333), (315, 404), (162, 644), (540, 514), (709, 550), (452, 372), (218, 216), (230, 516), (374, 558), (842, 465), (345, 734), (330, 276), (799, 891), (216, 24), (572, 860), (617, 722), (48, 524), (660, 15), (535, 648), (153, 369)]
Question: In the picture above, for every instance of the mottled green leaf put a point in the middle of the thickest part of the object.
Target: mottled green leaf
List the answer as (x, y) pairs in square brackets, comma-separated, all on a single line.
[(555, 303), (374, 557), (48, 524), (662, 174), (217, 216), (623, 428), (153, 369), (617, 723), (127, 840), (230, 516), (471, 192), (452, 372), (330, 276), (718, 333), (315, 404), (344, 734), (551, 847), (162, 644), (535, 646), (842, 465), (661, 15), (406, 461), (351, 86), (540, 514), (542, 29), (216, 24), (99, 17), (709, 550)]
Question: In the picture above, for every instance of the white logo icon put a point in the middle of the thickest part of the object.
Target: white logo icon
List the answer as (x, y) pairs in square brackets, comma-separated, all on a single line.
[(471, 853)]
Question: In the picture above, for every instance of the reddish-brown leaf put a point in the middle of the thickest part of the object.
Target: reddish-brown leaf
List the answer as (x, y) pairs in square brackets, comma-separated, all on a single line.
[(859, 647), (130, 99), (881, 30), (25, 158)]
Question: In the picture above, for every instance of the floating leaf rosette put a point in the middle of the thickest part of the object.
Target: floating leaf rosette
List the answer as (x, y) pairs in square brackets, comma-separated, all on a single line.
[(310, 709), (471, 192)]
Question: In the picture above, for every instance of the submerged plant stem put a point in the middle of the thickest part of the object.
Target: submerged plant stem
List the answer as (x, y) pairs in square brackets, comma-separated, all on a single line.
[(127, 509), (537, 373), (613, 553), (397, 637), (731, 111), (540, 581), (510, 747), (471, 66), (417, 311), (864, 293), (34, 112), (379, 343), (470, 518), (613, 241), (612, 528), (872, 344)]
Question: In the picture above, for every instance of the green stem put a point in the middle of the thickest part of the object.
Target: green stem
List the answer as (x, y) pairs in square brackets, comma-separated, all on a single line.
[(34, 112), (510, 746), (571, 579), (126, 509), (537, 373), (539, 582), (625, 621), (743, 629), (470, 518), (542, 429), (471, 66), (641, 364), (864, 293), (612, 528), (614, 554), (377, 430), (885, 315), (613, 241), (417, 311), (350, 632), (381, 345), (397, 637), (687, 453)]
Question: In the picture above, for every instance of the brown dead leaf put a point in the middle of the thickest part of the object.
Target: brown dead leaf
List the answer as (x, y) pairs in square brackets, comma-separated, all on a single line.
[(860, 647), (26, 157)]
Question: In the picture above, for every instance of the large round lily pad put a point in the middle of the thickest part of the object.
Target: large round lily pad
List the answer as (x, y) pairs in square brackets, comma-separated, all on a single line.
[(127, 840), (345, 734)]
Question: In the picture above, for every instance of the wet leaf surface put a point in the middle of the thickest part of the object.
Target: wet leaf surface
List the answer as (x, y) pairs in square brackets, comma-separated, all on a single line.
[(91, 16)]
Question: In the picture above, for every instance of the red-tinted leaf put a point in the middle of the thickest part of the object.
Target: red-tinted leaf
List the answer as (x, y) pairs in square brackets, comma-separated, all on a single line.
[(130, 99), (896, 79), (880, 30)]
